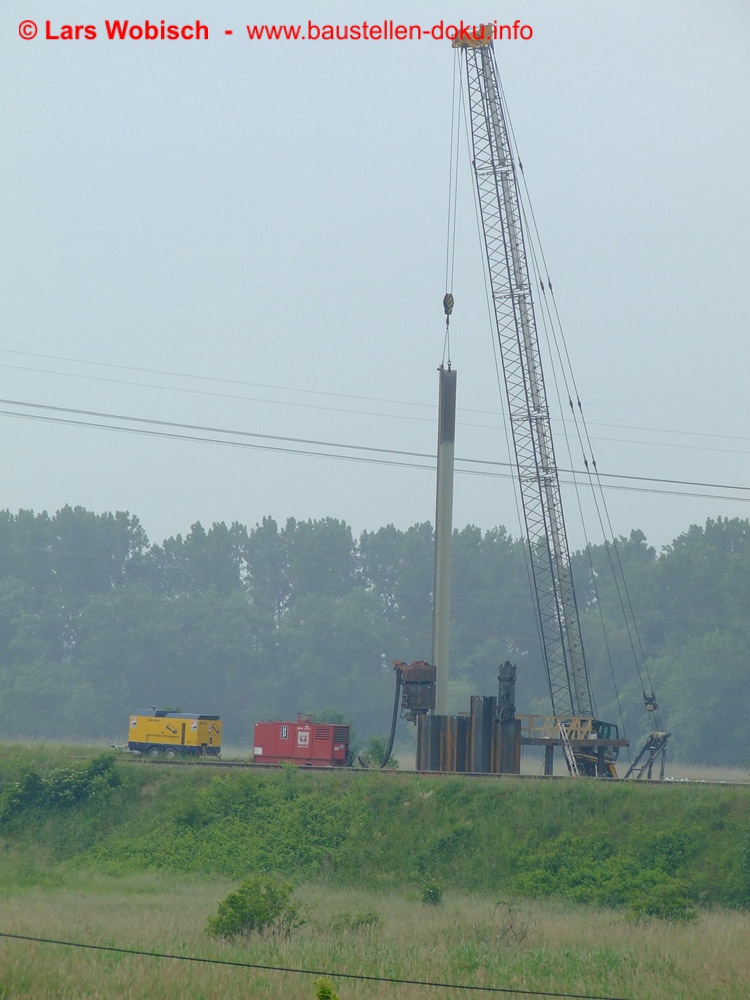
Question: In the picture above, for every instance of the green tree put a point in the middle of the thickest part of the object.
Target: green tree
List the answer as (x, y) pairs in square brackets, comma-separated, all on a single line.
[(216, 559), (703, 578), (398, 565), (268, 580), (91, 553), (321, 557), (705, 697)]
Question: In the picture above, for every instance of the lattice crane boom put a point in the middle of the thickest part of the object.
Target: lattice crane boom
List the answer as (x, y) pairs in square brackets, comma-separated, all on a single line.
[(515, 322)]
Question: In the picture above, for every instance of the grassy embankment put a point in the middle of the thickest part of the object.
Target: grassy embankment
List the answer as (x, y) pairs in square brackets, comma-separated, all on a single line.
[(139, 856)]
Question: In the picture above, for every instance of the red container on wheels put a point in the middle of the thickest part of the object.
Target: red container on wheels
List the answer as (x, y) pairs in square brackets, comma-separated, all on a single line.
[(302, 742)]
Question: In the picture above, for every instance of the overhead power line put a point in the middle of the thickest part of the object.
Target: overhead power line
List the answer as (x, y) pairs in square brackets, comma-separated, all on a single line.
[(336, 395), (342, 409), (507, 990), (398, 454)]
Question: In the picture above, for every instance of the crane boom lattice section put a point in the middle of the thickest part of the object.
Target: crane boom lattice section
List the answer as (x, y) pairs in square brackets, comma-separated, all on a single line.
[(512, 302)]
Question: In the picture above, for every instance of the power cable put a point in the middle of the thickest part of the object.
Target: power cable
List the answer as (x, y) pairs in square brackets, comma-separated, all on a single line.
[(339, 409), (202, 378), (355, 458), (320, 392), (369, 399), (225, 395), (311, 972)]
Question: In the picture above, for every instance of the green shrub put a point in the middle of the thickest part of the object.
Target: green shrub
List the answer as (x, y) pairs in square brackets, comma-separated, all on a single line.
[(374, 755), (667, 900), (61, 790), (260, 904), (432, 892), (743, 874), (324, 990), (651, 878)]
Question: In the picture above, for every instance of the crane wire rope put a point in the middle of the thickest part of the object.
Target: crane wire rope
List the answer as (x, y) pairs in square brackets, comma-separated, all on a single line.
[(450, 246), (610, 541), (557, 373), (546, 327), (547, 324)]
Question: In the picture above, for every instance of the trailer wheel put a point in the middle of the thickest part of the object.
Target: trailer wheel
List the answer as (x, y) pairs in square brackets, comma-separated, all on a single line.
[(153, 752), (170, 753)]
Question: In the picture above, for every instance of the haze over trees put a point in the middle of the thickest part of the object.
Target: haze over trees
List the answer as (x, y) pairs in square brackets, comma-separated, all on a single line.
[(96, 622)]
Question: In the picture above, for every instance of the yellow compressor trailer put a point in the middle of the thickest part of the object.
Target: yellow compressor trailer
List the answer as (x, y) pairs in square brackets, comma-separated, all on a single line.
[(171, 733)]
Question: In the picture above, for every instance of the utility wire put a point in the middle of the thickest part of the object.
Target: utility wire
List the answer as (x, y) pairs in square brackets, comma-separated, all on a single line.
[(368, 399), (312, 972), (315, 392), (350, 447)]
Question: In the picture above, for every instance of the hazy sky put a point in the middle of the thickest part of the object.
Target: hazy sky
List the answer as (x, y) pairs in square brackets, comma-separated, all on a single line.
[(252, 236)]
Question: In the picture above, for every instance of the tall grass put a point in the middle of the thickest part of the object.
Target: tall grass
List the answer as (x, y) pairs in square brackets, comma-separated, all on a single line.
[(564, 948)]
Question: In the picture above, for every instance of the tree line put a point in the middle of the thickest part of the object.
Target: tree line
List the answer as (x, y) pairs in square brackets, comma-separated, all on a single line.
[(96, 622)]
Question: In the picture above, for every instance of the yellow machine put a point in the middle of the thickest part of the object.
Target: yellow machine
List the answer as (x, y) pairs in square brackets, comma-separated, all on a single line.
[(171, 733), (589, 746)]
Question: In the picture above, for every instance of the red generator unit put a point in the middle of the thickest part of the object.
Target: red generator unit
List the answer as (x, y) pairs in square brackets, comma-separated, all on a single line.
[(304, 742)]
